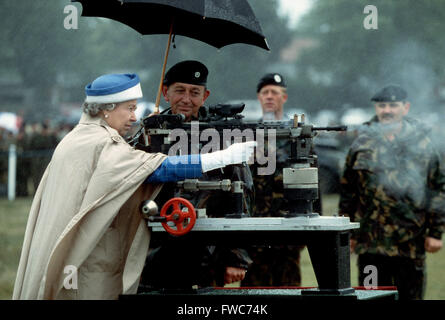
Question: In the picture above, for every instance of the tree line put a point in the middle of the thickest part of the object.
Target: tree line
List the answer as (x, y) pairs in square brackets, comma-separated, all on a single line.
[(344, 65)]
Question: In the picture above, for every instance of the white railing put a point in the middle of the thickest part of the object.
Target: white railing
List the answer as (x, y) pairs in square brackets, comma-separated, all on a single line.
[(12, 171)]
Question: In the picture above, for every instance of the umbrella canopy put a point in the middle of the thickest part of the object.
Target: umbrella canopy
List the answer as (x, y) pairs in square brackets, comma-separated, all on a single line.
[(215, 22)]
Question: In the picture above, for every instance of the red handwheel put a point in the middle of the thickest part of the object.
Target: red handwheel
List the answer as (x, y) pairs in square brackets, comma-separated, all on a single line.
[(182, 220)]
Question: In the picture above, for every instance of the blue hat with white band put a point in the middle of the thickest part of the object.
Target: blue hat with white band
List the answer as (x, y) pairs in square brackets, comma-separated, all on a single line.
[(114, 88)]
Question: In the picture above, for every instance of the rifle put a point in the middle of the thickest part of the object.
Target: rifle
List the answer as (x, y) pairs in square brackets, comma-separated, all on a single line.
[(224, 123)]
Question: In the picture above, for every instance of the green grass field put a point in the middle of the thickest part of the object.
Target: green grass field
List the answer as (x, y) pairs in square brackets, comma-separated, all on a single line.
[(13, 217)]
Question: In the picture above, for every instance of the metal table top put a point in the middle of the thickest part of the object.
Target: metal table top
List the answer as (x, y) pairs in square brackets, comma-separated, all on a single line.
[(320, 223)]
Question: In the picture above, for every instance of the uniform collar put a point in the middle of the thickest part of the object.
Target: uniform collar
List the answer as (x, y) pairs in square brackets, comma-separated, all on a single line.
[(411, 129)]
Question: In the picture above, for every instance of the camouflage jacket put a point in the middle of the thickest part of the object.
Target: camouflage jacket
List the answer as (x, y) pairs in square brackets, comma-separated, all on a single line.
[(269, 189), (395, 189), (269, 192)]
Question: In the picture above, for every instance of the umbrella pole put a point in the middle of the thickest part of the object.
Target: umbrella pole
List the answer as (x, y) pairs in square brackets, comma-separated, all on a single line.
[(167, 50)]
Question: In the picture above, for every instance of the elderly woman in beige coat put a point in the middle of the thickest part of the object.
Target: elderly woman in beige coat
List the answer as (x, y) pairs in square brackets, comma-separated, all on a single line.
[(85, 237)]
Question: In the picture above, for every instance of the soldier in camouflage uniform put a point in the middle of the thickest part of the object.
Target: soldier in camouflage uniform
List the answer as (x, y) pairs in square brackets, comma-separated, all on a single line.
[(185, 89), (277, 265), (393, 185)]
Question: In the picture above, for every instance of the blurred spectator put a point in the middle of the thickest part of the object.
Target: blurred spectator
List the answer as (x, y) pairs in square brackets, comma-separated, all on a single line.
[(63, 129), (35, 144), (22, 142), (42, 143), (3, 161)]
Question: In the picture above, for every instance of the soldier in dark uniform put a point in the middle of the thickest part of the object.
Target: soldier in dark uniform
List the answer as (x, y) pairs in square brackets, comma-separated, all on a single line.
[(192, 75), (273, 265), (184, 88), (393, 185)]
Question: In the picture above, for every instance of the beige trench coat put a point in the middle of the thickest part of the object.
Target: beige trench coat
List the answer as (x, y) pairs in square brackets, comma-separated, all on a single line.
[(84, 219)]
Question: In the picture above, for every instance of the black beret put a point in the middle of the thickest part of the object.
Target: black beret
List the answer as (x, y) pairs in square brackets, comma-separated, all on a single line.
[(191, 72), (390, 93), (271, 78)]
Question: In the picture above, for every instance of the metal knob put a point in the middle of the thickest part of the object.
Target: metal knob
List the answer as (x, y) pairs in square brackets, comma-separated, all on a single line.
[(149, 208)]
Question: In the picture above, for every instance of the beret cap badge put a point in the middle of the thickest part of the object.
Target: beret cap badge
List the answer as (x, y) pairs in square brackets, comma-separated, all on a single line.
[(273, 79)]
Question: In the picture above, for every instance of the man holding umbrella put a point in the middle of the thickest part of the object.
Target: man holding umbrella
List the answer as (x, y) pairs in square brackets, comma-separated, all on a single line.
[(184, 88)]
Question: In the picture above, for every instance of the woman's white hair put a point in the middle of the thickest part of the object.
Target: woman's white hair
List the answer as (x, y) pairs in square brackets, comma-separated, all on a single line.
[(94, 108)]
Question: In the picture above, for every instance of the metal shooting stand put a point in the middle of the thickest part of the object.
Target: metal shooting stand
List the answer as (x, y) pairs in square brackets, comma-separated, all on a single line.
[(327, 238)]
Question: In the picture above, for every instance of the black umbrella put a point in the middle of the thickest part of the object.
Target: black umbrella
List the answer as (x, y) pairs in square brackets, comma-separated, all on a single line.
[(215, 22)]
